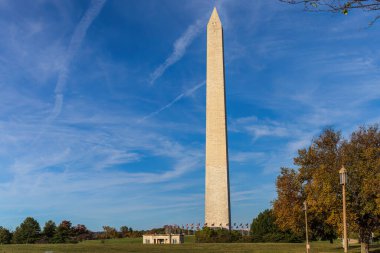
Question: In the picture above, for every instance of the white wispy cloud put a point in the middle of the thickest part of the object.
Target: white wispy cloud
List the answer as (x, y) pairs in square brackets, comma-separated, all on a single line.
[(242, 156), (259, 128), (75, 42), (179, 49), (276, 141), (255, 193), (68, 149), (90, 156)]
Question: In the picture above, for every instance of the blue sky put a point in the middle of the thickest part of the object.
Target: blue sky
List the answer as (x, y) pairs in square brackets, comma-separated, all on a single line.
[(102, 115)]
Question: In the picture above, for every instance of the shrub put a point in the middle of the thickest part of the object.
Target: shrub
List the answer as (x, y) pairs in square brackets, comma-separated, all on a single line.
[(217, 235)]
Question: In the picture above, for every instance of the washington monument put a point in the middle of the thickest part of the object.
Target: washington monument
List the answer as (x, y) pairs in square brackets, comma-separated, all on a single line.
[(217, 200)]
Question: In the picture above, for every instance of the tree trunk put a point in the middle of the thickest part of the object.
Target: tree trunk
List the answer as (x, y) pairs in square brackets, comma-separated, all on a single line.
[(364, 247), (364, 238)]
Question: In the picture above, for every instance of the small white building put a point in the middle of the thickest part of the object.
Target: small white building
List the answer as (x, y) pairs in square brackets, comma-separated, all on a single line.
[(163, 239)]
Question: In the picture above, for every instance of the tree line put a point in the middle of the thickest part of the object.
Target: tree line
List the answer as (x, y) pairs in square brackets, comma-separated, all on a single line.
[(263, 229), (29, 232)]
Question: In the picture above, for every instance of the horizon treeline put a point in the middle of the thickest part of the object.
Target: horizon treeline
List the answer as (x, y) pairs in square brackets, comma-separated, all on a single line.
[(29, 231)]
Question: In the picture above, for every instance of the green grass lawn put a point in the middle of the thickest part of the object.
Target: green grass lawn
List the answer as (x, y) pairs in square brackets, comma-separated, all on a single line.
[(135, 245)]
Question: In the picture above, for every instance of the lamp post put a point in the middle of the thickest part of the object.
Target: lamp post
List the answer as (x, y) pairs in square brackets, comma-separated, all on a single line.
[(307, 237), (343, 182)]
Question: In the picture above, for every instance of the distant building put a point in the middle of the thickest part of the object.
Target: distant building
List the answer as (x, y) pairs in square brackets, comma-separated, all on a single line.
[(163, 239)]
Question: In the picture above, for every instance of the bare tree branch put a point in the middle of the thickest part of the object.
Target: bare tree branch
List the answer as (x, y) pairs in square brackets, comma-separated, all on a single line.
[(343, 6)]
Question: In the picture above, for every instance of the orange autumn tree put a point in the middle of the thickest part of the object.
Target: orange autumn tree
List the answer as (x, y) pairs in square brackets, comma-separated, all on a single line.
[(361, 156), (316, 181), (289, 190)]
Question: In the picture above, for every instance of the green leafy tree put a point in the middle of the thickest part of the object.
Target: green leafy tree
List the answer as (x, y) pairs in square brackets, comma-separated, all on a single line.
[(80, 233), (110, 233), (27, 232), (157, 231), (124, 230), (49, 230), (135, 233), (64, 232), (265, 229), (5, 236)]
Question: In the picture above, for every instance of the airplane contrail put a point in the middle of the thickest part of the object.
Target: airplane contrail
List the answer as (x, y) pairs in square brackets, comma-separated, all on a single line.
[(179, 49), (179, 97)]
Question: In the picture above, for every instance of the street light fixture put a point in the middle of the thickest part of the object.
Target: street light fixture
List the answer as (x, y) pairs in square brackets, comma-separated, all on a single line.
[(343, 182), (307, 237), (343, 176)]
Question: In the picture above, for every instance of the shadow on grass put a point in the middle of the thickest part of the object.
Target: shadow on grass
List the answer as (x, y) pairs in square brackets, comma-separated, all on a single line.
[(375, 249), (356, 248)]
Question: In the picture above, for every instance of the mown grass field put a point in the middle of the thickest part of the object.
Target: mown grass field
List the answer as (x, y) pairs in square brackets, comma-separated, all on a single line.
[(135, 245)]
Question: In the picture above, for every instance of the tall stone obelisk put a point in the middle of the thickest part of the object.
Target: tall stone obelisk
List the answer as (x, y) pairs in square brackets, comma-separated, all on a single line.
[(217, 200)]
